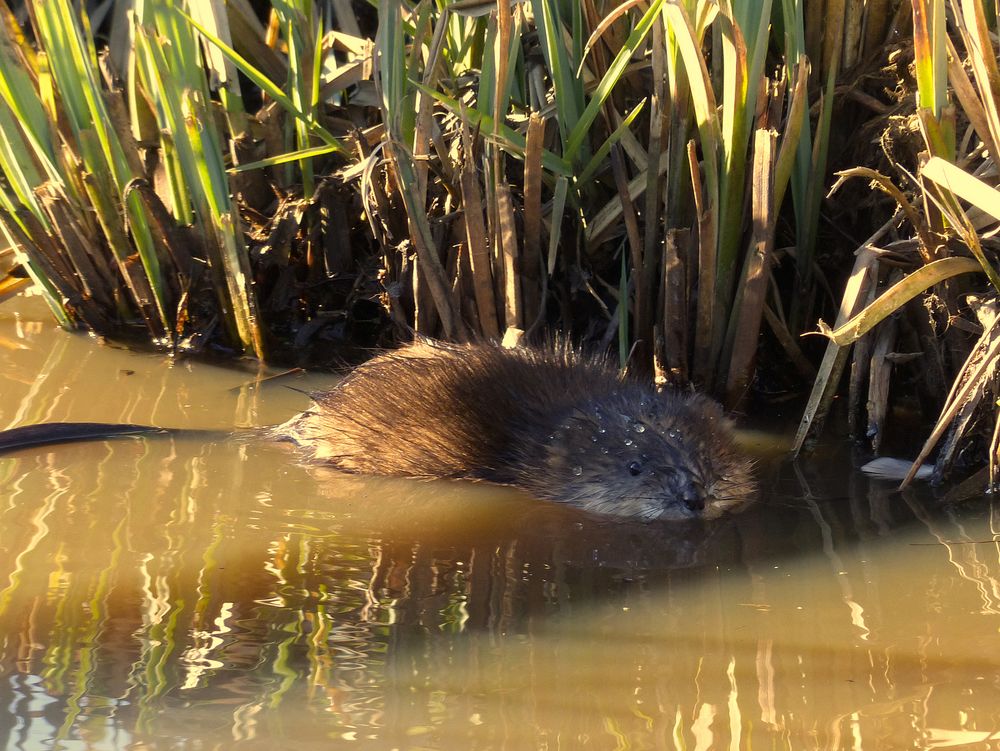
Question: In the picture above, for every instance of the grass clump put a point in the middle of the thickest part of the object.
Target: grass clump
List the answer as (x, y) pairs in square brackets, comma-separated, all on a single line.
[(120, 197), (934, 308), (96, 237)]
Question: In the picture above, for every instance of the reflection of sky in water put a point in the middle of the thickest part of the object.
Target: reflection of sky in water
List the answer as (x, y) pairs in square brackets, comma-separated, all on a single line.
[(193, 594)]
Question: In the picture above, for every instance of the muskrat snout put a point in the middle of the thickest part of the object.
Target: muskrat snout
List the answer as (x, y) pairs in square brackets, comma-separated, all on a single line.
[(683, 486), (693, 498)]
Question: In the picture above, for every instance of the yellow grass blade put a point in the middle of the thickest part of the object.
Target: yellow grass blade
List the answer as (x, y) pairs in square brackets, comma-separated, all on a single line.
[(898, 295)]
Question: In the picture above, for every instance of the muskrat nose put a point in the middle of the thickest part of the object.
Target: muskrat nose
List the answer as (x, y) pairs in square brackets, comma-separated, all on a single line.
[(693, 498), (692, 493), (687, 489)]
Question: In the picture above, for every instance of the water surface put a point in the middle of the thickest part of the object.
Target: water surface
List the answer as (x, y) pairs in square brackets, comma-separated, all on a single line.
[(213, 594)]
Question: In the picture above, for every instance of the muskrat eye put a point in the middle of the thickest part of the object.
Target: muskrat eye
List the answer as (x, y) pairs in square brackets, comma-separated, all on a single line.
[(634, 468)]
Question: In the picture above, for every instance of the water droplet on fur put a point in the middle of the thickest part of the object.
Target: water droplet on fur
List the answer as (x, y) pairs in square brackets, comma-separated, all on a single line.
[(605, 450), (552, 437), (639, 428), (602, 431), (628, 441), (673, 433), (577, 471), (593, 439)]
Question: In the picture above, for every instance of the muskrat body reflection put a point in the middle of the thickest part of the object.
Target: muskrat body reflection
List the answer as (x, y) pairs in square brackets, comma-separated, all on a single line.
[(561, 426)]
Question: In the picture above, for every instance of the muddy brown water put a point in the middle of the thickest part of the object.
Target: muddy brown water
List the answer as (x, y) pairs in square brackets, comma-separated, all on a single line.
[(206, 594)]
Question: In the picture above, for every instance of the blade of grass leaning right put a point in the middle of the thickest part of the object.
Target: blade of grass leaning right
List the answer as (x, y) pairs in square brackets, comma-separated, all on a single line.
[(567, 88), (574, 149)]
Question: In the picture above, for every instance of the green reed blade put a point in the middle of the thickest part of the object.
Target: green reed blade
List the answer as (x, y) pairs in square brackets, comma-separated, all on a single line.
[(567, 87), (268, 86), (513, 141), (291, 156), (616, 69), (597, 161)]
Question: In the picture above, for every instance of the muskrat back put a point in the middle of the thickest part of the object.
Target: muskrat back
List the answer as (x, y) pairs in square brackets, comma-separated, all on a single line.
[(561, 426)]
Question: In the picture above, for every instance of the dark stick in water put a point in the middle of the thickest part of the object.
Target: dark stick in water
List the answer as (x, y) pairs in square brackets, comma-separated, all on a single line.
[(560, 426)]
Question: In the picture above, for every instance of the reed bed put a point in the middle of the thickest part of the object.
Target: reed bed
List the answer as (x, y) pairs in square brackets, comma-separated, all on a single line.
[(920, 307), (496, 166), (646, 176)]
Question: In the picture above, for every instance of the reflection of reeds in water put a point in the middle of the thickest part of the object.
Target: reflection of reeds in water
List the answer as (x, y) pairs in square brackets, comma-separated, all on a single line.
[(975, 559), (211, 591), (928, 678)]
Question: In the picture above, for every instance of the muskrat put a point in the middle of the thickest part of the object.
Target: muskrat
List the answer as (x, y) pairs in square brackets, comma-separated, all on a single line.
[(559, 425)]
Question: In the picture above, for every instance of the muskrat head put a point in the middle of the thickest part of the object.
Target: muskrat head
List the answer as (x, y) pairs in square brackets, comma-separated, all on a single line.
[(644, 456)]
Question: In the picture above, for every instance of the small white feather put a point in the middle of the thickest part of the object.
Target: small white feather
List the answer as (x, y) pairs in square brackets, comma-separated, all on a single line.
[(887, 468)]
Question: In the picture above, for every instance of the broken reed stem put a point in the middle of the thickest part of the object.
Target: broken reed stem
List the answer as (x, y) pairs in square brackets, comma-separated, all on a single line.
[(478, 240), (644, 272), (509, 250), (703, 366), (531, 268), (675, 308), (758, 267)]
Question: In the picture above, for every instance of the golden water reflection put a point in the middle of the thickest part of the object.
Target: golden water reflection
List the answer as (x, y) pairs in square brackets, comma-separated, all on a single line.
[(213, 594)]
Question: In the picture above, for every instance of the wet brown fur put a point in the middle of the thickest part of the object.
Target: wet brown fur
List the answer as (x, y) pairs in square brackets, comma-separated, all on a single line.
[(559, 425)]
